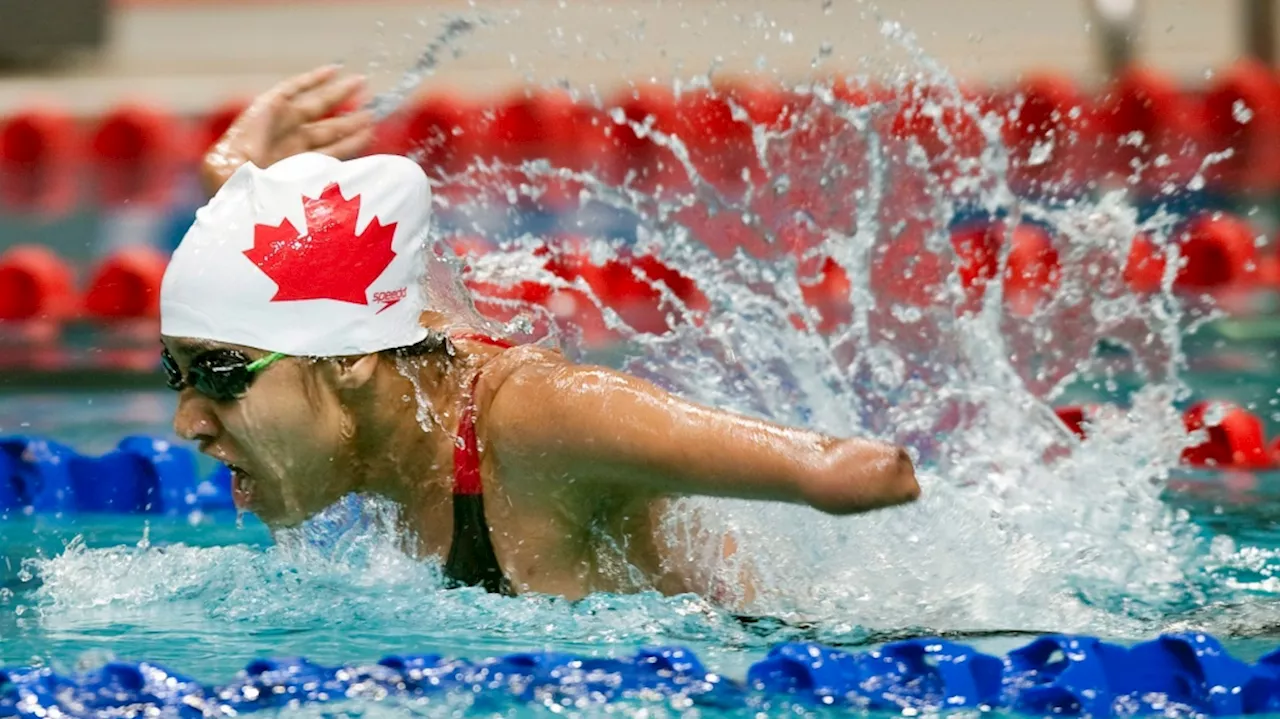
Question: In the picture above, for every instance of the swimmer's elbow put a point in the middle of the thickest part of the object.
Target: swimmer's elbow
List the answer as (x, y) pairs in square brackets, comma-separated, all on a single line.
[(860, 476), (904, 487)]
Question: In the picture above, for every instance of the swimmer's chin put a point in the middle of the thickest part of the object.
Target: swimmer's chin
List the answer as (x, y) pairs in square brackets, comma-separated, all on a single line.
[(285, 514), (263, 501), (280, 519)]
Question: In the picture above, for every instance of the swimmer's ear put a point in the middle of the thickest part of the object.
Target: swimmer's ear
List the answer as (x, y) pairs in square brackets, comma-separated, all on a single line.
[(355, 372)]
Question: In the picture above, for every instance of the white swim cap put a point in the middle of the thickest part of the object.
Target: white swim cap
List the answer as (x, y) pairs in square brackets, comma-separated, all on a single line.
[(311, 256)]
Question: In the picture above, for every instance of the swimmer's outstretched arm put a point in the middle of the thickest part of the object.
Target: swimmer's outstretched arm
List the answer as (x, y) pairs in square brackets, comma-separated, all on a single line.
[(551, 420)]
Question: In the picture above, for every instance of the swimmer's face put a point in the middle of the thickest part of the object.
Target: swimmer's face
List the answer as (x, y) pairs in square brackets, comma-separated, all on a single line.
[(284, 438)]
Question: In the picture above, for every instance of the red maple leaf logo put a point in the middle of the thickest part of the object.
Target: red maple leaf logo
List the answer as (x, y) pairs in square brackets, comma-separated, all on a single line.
[(330, 261)]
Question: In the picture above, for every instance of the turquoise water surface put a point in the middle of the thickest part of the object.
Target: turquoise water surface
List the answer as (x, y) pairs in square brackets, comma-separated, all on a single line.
[(205, 595)]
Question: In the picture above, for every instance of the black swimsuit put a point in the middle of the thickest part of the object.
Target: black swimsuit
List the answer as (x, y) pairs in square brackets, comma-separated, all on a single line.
[(472, 560)]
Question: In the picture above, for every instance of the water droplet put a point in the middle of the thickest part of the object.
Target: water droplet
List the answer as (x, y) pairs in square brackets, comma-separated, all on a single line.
[(1240, 112), (1040, 152)]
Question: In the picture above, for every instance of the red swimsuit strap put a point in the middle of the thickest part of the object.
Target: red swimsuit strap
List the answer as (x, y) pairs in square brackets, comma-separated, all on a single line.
[(477, 337), (466, 451)]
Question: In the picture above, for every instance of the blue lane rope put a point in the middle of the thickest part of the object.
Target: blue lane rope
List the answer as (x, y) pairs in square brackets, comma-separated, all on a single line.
[(1173, 675), (142, 475)]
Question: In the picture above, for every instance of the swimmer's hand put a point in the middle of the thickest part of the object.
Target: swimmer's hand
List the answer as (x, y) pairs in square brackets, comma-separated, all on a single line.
[(616, 434), (292, 117)]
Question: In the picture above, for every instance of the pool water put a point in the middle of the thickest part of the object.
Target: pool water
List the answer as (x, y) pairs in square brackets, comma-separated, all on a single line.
[(205, 595)]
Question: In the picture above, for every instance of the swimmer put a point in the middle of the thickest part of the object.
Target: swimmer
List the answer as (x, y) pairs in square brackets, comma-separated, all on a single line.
[(296, 326)]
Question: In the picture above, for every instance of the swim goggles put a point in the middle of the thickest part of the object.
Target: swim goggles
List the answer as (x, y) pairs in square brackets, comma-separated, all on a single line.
[(220, 374)]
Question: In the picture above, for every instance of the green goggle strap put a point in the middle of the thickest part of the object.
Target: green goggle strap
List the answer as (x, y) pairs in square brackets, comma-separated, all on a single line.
[(262, 362)]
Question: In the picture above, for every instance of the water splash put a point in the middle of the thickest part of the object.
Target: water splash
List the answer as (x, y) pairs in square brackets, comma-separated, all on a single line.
[(448, 39), (1021, 524), (341, 587)]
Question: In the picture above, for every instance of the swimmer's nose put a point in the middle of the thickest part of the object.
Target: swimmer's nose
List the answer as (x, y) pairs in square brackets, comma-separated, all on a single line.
[(194, 418)]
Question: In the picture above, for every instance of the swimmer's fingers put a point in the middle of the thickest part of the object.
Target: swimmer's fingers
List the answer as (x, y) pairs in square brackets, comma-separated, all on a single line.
[(280, 104), (350, 146), (328, 131), (298, 84), (322, 100)]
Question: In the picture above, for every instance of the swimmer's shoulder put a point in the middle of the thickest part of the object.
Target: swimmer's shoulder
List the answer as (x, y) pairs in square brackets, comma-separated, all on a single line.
[(513, 369), (510, 398), (533, 397)]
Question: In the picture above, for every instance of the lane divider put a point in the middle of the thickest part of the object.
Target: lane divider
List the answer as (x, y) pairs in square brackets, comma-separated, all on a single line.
[(1184, 674)]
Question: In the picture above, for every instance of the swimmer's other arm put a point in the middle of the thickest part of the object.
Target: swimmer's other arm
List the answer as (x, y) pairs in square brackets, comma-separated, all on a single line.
[(618, 433)]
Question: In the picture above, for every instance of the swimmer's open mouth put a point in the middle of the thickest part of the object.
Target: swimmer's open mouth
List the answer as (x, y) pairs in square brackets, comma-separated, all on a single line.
[(241, 486)]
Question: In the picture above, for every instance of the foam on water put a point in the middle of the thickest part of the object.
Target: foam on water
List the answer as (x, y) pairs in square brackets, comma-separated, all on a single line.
[(1021, 526), (341, 592)]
